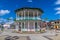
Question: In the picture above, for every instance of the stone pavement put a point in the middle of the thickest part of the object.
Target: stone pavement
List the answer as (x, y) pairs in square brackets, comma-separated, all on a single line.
[(49, 33), (37, 37), (32, 36)]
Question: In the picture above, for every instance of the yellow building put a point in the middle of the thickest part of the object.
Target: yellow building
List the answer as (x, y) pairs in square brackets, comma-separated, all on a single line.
[(56, 24)]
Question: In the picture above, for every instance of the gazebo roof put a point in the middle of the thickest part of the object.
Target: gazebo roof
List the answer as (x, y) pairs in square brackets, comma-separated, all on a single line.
[(28, 8), (55, 20)]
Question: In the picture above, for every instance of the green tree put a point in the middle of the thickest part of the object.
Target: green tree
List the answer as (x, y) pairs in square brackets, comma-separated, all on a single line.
[(14, 19), (46, 19), (8, 19)]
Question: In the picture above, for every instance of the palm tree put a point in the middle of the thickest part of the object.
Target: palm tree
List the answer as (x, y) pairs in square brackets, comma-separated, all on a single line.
[(46, 22), (14, 19), (8, 19), (46, 19)]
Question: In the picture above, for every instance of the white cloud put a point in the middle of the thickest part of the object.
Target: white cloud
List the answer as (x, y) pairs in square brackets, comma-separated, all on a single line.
[(2, 20), (57, 2), (6, 21), (58, 12), (11, 18), (3, 12), (10, 22), (29, 0), (58, 8)]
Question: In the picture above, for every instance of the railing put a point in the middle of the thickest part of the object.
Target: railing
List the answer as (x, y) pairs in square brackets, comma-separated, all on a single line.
[(30, 18)]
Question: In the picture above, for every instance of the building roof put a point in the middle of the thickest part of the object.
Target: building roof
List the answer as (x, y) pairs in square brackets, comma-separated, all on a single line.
[(55, 20), (28, 8)]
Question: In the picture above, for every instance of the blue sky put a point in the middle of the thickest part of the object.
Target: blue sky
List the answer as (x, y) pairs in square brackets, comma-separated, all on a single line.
[(51, 8)]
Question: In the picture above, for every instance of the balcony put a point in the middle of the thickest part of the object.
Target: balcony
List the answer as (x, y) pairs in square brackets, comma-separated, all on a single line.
[(28, 18)]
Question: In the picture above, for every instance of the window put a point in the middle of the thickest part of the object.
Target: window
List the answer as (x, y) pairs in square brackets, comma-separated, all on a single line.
[(31, 14), (55, 22), (23, 25), (35, 25)]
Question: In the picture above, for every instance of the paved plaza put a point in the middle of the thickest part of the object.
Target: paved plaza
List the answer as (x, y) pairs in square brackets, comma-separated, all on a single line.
[(31, 36)]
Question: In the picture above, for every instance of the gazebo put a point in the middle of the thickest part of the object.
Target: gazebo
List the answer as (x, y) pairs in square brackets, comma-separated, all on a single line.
[(28, 19)]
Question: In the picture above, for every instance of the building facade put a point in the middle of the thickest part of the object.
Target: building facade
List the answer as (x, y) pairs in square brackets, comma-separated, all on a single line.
[(55, 24), (28, 19)]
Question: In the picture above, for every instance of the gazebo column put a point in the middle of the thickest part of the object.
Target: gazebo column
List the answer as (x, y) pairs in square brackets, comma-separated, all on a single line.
[(24, 19), (24, 25), (18, 23), (28, 25), (37, 15), (28, 20), (33, 15), (34, 26), (21, 15), (21, 22), (37, 25), (21, 26), (34, 21), (17, 27), (37, 20), (16, 16)]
